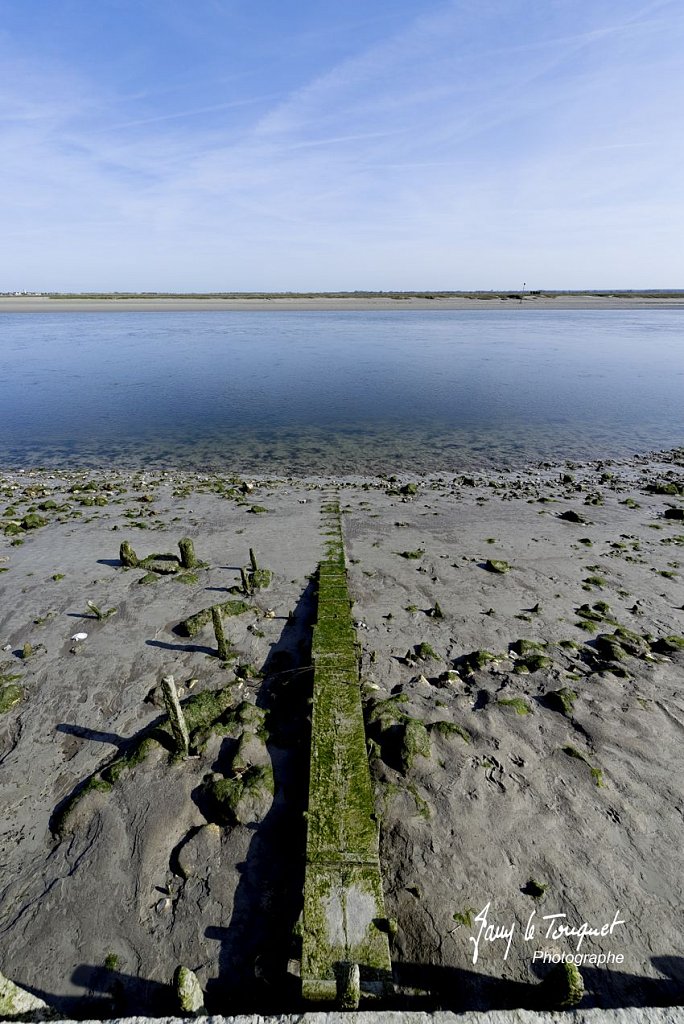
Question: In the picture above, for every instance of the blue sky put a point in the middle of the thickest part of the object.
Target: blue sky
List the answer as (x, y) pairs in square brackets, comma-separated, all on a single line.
[(225, 145)]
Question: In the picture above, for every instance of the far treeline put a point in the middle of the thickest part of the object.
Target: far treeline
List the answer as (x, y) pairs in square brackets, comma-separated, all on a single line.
[(552, 294)]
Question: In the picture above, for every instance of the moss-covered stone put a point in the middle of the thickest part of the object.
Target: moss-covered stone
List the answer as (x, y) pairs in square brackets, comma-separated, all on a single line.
[(522, 647), (497, 565), (609, 647), (192, 625), (563, 987), (245, 799), (415, 742), (425, 652), (562, 700), (188, 992), (534, 888), (532, 663), (477, 660), (570, 516), (668, 644), (33, 521)]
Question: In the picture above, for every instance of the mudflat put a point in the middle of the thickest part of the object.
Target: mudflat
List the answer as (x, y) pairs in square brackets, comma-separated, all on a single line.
[(522, 657)]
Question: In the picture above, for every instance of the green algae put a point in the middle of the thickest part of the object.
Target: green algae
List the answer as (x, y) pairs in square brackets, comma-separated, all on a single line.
[(596, 773), (424, 652), (10, 695), (447, 729), (519, 705), (149, 577), (464, 917)]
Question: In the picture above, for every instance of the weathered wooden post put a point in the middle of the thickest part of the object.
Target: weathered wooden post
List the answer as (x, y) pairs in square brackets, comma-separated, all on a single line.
[(220, 635), (187, 553), (177, 719)]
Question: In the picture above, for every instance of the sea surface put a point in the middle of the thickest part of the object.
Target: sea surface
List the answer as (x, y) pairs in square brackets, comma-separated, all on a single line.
[(338, 392)]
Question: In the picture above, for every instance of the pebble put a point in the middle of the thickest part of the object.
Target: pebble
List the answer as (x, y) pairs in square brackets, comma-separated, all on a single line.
[(80, 636)]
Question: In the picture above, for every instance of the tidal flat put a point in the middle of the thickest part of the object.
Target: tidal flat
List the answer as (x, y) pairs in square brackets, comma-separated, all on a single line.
[(522, 648)]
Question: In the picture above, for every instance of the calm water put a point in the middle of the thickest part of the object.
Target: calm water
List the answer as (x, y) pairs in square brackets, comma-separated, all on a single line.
[(338, 392)]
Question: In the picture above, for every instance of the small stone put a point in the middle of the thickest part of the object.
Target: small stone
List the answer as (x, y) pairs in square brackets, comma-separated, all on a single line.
[(189, 992), (79, 636), (18, 1004)]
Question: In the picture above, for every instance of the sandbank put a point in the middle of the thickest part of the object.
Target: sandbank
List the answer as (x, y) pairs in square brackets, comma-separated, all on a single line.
[(29, 304)]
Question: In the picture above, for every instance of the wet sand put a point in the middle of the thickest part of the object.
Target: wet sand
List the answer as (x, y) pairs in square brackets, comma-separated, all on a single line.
[(547, 779)]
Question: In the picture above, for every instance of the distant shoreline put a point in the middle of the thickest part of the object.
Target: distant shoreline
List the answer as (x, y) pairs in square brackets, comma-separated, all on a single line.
[(336, 303)]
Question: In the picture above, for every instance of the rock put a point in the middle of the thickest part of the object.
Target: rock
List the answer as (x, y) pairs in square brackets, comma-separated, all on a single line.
[(573, 517), (415, 742), (18, 1004), (674, 513), (251, 751), (523, 647), (563, 987), (189, 992), (33, 521), (245, 800), (497, 565), (562, 700)]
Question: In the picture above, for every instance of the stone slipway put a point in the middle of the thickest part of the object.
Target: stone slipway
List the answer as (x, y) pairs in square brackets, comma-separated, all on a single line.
[(344, 917), (628, 1015)]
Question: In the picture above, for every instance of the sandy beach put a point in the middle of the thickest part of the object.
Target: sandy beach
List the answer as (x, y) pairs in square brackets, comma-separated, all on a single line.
[(530, 623), (38, 304)]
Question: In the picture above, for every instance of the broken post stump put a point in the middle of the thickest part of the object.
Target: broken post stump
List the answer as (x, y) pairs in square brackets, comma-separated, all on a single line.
[(127, 556), (179, 727), (348, 986)]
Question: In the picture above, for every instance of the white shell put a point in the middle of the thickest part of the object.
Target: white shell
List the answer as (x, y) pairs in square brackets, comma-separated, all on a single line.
[(80, 636)]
